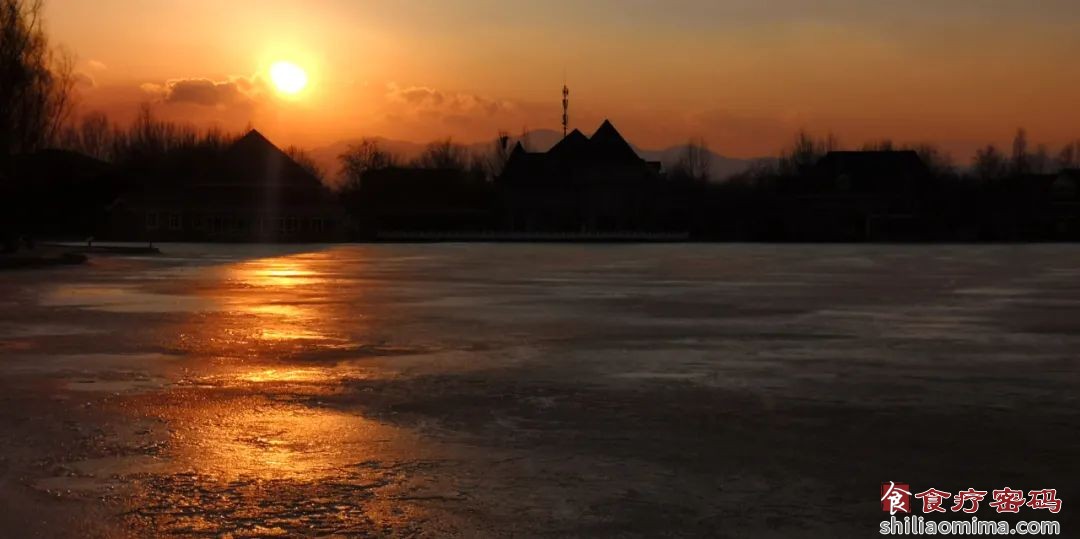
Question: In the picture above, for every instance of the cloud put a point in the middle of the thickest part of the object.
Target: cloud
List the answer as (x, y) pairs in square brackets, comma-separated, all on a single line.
[(243, 91), (96, 65), (451, 107), (153, 89)]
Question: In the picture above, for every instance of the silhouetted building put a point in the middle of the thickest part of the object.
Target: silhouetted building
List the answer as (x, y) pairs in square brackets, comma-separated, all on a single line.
[(1066, 187), (252, 192), (1061, 212), (582, 184), (401, 200), (56, 193), (860, 195)]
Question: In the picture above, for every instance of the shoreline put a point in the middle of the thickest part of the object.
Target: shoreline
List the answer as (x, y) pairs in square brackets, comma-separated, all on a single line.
[(130, 248), (42, 258)]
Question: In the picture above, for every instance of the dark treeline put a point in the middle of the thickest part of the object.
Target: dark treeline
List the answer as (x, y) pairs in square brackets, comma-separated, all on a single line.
[(36, 89), (873, 194), (814, 191), (67, 188), (446, 187)]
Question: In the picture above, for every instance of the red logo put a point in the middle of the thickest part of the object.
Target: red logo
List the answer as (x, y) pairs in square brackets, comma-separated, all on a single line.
[(1045, 499), (932, 500), (970, 495), (1007, 500), (895, 498)]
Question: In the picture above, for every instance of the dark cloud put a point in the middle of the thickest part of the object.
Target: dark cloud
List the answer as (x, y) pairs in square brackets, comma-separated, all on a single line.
[(208, 93), (430, 103)]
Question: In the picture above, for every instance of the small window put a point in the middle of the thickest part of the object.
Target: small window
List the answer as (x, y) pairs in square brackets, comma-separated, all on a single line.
[(151, 220), (175, 222)]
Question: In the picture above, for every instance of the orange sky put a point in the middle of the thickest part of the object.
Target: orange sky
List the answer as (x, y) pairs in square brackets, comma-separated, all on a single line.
[(744, 74)]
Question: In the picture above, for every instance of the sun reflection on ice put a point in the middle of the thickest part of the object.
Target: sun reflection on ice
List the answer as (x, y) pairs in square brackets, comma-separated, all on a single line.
[(267, 418), (281, 305), (287, 375), (277, 273), (269, 441), (289, 334)]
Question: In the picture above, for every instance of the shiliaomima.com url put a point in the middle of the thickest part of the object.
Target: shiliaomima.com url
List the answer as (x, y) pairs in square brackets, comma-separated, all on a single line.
[(917, 525)]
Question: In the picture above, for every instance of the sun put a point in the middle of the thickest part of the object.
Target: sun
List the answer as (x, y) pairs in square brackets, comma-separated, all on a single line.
[(288, 78)]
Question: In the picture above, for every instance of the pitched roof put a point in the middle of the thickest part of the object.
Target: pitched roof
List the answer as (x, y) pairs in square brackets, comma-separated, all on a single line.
[(571, 145), (252, 172), (254, 159), (609, 144), (604, 158)]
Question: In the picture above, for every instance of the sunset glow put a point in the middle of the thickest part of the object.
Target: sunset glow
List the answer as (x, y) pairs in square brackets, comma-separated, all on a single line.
[(743, 74)]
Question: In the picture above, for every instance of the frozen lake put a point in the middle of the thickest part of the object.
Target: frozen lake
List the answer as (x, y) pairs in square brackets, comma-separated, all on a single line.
[(547, 390)]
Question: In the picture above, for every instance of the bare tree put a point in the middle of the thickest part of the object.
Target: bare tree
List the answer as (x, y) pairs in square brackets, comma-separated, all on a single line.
[(694, 161), (36, 81), (1039, 162), (306, 162), (1067, 157), (479, 166), (149, 139), (830, 143), (939, 162), (500, 154), (990, 163), (359, 159), (158, 144), (216, 139), (60, 94), (92, 135), (805, 152), (1021, 160), (443, 155)]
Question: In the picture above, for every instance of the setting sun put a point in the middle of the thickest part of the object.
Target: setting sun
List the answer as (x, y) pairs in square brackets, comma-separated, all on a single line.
[(288, 77)]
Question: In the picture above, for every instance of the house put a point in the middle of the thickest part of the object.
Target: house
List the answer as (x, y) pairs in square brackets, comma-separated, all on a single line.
[(56, 193), (899, 173), (582, 184), (860, 195), (1061, 213), (1065, 189), (252, 192), (398, 200)]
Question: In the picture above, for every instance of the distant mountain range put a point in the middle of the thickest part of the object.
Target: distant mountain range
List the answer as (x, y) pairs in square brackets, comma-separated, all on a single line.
[(539, 140)]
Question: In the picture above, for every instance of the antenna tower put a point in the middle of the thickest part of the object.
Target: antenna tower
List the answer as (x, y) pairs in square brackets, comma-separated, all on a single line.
[(565, 109)]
